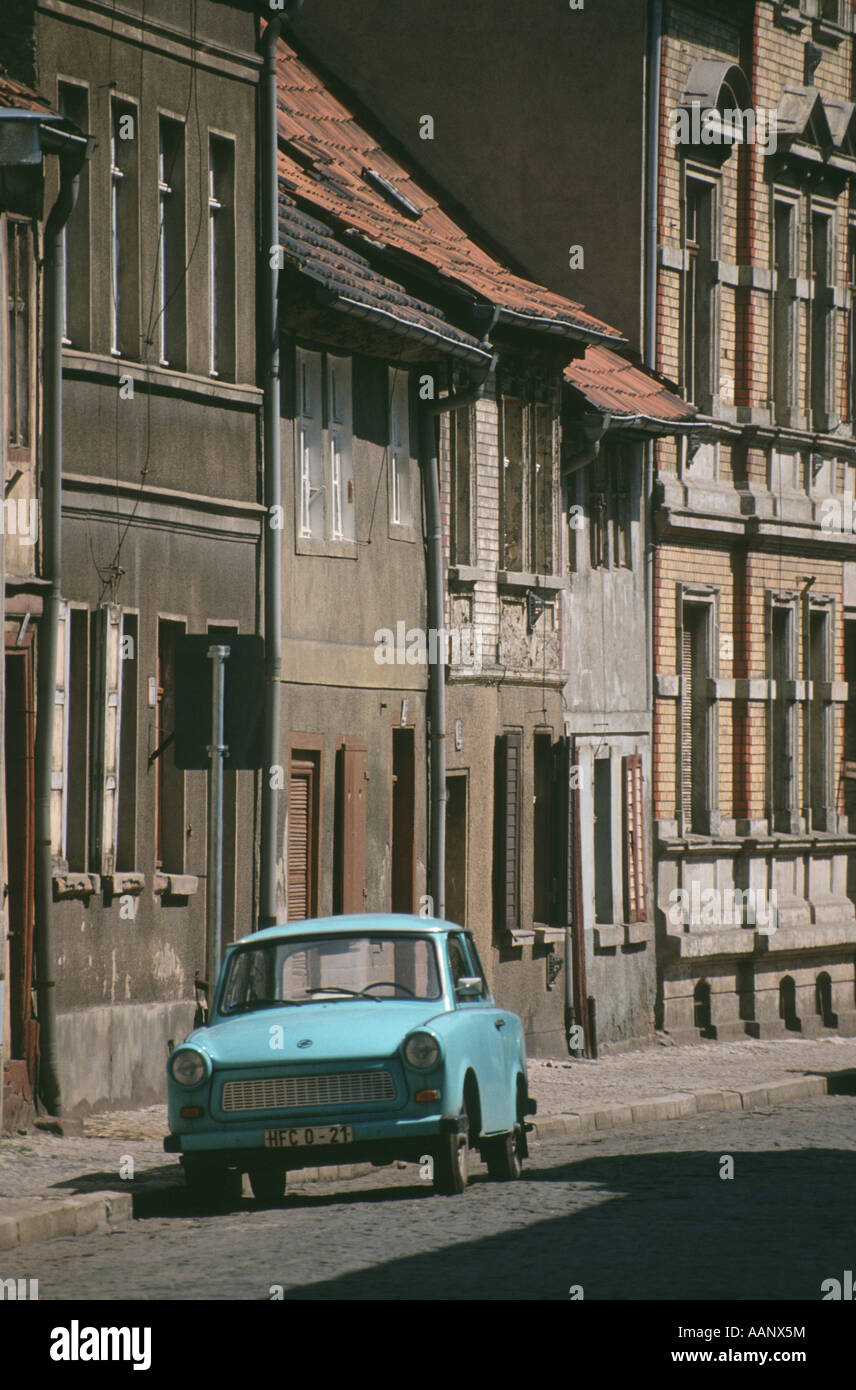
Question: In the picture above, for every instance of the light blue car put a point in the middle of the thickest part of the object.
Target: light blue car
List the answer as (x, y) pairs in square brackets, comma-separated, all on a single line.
[(344, 1040)]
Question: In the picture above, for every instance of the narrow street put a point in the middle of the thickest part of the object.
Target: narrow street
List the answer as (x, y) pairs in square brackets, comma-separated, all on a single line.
[(638, 1215)]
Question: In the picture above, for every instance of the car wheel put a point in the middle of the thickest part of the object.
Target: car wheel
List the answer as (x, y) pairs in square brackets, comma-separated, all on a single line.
[(502, 1156), (268, 1185), (213, 1184), (451, 1159)]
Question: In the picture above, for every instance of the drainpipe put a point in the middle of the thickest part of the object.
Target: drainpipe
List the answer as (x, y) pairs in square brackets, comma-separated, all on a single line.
[(436, 621), (73, 151), (273, 578), (652, 148)]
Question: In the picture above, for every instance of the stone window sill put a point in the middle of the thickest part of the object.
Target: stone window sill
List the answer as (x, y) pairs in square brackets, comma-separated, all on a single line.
[(74, 885), (176, 885), (119, 884)]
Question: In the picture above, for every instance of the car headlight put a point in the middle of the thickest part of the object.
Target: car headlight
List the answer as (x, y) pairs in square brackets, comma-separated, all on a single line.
[(422, 1050), (188, 1067)]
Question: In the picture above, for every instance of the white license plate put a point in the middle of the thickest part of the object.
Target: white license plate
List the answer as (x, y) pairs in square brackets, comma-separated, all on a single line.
[(308, 1135)]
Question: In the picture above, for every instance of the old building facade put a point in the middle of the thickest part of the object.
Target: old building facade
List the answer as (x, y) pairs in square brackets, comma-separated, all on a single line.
[(161, 519), (727, 263)]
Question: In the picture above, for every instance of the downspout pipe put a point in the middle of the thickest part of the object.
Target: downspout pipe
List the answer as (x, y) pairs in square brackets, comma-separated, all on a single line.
[(272, 462), (74, 151), (652, 148), (436, 622)]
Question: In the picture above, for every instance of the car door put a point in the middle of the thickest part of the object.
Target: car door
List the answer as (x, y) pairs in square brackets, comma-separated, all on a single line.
[(506, 1026), (484, 1036)]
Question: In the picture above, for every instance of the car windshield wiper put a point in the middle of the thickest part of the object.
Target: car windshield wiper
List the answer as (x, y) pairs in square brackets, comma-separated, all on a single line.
[(245, 1005), (341, 989)]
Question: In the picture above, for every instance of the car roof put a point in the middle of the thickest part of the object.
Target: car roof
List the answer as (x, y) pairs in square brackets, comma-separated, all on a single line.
[(349, 923)]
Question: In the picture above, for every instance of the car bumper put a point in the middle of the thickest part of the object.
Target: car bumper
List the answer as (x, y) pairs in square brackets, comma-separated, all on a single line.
[(374, 1141)]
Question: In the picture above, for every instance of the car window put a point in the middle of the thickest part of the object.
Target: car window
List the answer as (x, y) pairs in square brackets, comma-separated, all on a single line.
[(478, 968), (301, 970), (458, 963)]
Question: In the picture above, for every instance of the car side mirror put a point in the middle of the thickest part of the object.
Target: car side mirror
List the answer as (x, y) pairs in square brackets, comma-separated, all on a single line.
[(469, 987), (200, 1018)]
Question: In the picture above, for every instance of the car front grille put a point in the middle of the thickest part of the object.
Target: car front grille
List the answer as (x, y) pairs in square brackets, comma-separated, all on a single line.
[(300, 1092)]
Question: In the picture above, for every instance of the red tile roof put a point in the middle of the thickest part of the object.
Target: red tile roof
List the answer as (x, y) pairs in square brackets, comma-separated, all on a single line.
[(332, 163), (626, 392), (349, 282), (20, 98)]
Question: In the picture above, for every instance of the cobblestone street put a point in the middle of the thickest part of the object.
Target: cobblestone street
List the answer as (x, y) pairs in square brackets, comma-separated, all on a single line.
[(639, 1215)]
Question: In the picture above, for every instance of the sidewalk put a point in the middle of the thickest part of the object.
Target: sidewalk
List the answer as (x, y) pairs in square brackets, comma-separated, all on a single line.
[(52, 1187)]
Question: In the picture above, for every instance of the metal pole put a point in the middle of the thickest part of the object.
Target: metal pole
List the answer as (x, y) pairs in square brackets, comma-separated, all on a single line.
[(217, 751)]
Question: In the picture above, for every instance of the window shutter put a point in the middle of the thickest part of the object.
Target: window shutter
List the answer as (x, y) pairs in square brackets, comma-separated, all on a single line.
[(341, 435), (299, 841), (59, 771), (508, 787), (635, 886), (686, 724), (310, 425), (354, 780), (562, 821), (106, 721)]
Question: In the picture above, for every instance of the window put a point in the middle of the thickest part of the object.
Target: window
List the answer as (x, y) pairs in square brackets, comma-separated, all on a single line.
[(544, 828), (126, 842), (508, 773), (819, 741), (325, 447), (340, 432), (781, 750), (528, 485), (610, 478), (20, 371), (76, 771), (463, 548), (74, 103), (821, 342), (784, 310), (349, 891), (699, 353), (169, 780), (124, 230), (457, 847), (403, 798), (635, 884), (106, 714), (171, 274), (695, 718), (303, 818), (400, 479), (603, 898), (221, 257)]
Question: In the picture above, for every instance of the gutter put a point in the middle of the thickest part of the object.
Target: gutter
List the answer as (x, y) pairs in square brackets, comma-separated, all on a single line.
[(272, 461), (436, 594), (73, 151), (652, 148)]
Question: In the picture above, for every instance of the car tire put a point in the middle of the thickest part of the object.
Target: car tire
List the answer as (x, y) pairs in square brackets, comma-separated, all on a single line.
[(502, 1156), (451, 1159), (213, 1184), (268, 1185)]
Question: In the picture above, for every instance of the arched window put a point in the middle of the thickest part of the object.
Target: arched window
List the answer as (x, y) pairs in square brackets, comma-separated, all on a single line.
[(701, 1007), (788, 1004), (823, 1000)]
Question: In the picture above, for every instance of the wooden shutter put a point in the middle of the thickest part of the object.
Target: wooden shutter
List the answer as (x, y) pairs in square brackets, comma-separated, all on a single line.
[(300, 867), (106, 727), (507, 863), (686, 723), (562, 831), (635, 886), (59, 769), (353, 825)]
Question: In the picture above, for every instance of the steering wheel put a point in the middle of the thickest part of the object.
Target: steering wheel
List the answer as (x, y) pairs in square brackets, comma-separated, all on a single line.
[(392, 984)]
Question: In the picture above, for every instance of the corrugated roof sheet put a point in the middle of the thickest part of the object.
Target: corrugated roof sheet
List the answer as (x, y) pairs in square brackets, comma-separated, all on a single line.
[(612, 385), (354, 284), (15, 95), (332, 163)]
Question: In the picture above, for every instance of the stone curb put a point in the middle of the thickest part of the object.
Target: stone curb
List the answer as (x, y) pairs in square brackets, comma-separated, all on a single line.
[(678, 1104), (48, 1219)]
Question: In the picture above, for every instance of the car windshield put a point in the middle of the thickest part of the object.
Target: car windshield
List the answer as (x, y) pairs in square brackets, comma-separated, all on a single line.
[(316, 969)]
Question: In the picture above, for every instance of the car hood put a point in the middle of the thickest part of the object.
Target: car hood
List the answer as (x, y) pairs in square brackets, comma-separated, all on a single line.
[(329, 1032)]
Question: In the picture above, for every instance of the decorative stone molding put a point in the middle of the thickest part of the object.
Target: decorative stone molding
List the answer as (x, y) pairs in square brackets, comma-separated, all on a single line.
[(667, 687)]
